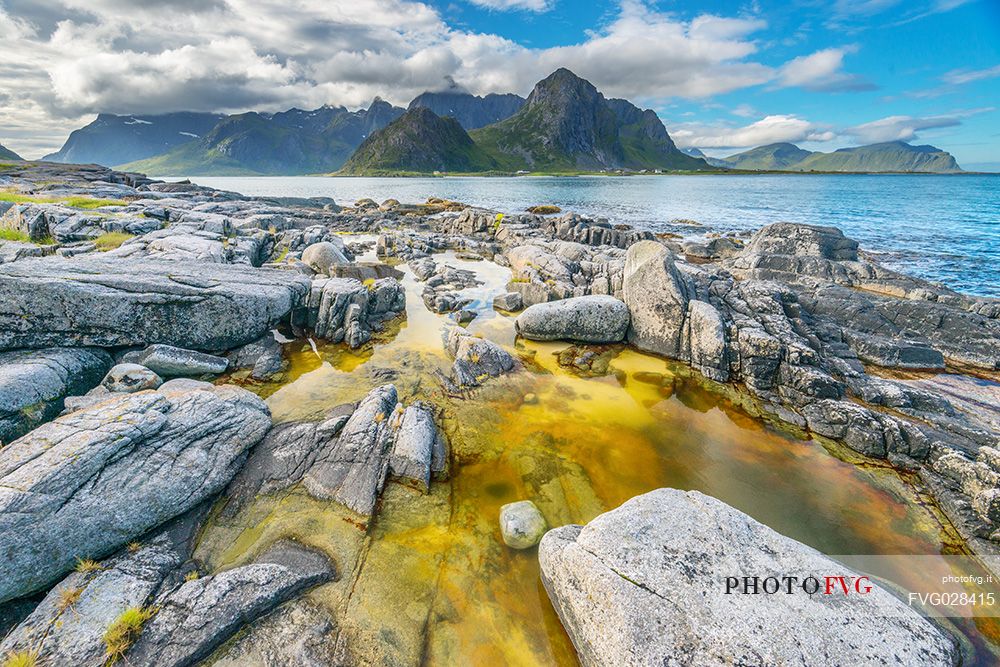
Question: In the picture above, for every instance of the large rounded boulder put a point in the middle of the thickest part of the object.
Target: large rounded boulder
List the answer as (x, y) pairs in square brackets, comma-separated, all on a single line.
[(667, 578), (595, 318)]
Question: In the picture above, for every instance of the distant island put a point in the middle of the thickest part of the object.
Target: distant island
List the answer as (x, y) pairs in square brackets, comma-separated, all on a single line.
[(565, 126), (892, 156)]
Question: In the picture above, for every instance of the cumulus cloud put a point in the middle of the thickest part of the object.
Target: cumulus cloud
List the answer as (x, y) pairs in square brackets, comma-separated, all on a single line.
[(768, 130), (506, 5), (899, 128), (64, 60), (822, 70), (793, 129)]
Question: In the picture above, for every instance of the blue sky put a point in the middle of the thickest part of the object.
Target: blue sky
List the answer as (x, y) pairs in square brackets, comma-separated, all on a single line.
[(723, 75), (935, 62)]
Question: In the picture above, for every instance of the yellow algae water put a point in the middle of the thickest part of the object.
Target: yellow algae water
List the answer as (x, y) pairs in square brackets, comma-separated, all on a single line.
[(429, 581)]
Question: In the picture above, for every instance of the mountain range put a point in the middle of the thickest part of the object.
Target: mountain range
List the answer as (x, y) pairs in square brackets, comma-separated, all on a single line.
[(471, 111), (419, 141), (565, 125), (290, 142), (7, 154), (111, 140), (888, 157)]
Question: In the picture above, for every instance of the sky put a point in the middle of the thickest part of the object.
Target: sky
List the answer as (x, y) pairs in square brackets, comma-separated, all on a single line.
[(724, 75)]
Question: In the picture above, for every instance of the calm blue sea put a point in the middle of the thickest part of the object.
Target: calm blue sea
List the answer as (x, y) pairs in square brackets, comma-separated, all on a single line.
[(943, 228)]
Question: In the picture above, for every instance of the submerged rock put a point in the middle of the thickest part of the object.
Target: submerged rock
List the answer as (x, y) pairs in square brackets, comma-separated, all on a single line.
[(35, 383), (521, 524), (588, 319), (113, 302), (88, 482), (646, 584)]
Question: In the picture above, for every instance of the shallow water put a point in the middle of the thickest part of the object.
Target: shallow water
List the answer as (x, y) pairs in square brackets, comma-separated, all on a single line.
[(437, 585), (943, 228)]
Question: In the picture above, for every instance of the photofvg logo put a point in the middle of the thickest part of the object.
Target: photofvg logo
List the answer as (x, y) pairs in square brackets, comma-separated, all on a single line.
[(843, 585), (946, 586)]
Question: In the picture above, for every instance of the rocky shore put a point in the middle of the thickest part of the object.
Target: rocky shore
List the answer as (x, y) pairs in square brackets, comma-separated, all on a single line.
[(138, 318)]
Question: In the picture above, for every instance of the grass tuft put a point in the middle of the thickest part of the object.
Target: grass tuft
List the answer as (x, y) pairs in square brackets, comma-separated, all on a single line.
[(21, 659), (85, 565), (111, 240), (67, 598), (123, 632), (74, 202)]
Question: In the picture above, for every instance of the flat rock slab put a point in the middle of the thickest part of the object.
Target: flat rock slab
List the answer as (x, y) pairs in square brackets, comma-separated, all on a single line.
[(590, 319), (645, 584), (202, 614), (110, 302), (34, 383), (89, 482)]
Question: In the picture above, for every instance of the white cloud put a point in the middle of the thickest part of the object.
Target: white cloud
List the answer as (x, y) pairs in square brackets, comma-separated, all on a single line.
[(768, 130), (822, 71), (959, 77), (793, 129), (907, 128), (64, 60), (507, 5)]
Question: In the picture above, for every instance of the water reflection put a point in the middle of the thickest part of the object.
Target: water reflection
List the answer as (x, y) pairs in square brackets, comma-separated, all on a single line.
[(436, 577)]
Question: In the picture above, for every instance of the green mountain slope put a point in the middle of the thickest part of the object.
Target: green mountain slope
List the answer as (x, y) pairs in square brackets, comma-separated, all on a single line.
[(291, 142), (567, 125), (419, 141), (9, 155), (112, 139), (778, 157), (894, 156)]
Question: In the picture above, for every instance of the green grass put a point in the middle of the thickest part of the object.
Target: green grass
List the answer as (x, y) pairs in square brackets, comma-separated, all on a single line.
[(123, 632), (111, 240), (13, 235), (21, 659), (73, 202), (91, 203)]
